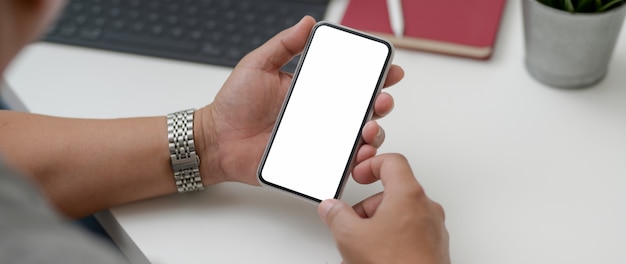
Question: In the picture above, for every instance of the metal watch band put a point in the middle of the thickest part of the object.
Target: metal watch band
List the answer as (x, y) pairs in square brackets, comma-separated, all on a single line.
[(183, 156)]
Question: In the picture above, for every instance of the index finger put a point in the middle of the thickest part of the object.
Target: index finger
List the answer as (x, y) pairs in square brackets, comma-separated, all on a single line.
[(393, 170)]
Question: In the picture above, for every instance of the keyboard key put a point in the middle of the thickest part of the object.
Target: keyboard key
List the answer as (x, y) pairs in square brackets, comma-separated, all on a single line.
[(90, 33), (211, 50), (134, 41)]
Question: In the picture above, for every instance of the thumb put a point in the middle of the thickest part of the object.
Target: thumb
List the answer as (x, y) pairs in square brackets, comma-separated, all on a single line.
[(281, 48), (336, 214)]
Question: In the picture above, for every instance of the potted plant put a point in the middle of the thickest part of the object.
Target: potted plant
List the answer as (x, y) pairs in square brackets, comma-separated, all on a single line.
[(569, 43)]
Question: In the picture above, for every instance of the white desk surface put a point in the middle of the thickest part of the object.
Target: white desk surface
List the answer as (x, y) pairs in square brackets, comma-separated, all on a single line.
[(526, 173)]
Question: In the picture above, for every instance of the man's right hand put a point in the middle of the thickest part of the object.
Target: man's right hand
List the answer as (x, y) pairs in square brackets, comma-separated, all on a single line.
[(399, 225)]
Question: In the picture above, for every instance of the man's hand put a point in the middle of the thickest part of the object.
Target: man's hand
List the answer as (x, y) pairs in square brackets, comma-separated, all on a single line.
[(399, 225), (236, 127)]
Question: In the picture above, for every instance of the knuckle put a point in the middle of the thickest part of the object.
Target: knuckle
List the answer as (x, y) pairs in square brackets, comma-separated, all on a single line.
[(440, 210), (417, 192)]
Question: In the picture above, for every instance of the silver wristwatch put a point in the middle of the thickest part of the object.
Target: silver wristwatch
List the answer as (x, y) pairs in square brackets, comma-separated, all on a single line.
[(185, 162)]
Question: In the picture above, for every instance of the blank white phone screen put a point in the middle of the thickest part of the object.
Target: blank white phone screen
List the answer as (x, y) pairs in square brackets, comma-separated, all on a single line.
[(327, 106)]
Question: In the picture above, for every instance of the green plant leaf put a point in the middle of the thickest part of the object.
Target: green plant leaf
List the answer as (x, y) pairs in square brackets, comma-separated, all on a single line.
[(610, 5), (569, 6)]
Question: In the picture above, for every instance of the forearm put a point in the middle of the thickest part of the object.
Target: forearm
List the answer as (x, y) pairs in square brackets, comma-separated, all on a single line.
[(86, 165)]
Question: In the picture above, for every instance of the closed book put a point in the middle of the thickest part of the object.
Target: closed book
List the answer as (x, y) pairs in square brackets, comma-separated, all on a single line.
[(467, 28)]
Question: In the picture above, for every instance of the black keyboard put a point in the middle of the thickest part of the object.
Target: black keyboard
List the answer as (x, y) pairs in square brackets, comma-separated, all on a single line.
[(218, 32)]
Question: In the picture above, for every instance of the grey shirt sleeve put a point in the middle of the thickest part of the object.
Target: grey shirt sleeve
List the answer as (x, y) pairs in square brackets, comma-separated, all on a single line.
[(32, 232)]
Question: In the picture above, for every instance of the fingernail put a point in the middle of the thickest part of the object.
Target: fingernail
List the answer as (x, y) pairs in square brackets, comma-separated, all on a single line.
[(325, 207), (302, 19), (380, 137)]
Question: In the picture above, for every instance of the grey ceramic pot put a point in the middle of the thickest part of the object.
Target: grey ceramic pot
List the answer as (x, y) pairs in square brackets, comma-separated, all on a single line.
[(569, 50)]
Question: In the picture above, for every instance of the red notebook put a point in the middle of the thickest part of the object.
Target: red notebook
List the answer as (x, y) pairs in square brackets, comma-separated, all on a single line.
[(465, 28)]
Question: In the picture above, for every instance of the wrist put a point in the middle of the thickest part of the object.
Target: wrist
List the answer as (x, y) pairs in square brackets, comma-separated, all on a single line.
[(207, 146)]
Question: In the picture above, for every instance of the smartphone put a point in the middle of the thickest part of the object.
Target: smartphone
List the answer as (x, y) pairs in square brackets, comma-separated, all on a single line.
[(318, 131)]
